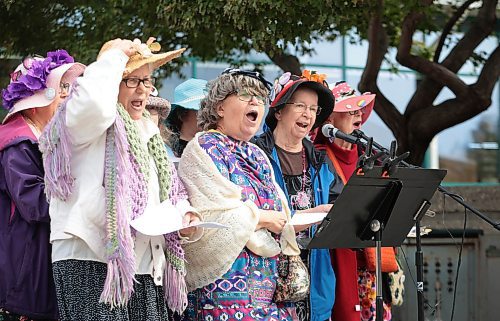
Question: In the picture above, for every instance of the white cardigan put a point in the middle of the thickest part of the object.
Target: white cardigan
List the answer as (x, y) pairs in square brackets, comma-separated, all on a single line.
[(78, 224)]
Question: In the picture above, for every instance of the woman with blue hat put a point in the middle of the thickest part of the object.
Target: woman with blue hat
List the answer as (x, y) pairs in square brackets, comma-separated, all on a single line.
[(183, 116)]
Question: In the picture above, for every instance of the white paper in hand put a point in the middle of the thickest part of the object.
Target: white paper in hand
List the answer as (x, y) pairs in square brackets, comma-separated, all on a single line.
[(165, 218), (307, 218), (157, 220)]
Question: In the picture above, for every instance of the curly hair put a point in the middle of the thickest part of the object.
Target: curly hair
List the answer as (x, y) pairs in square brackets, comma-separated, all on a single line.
[(219, 89)]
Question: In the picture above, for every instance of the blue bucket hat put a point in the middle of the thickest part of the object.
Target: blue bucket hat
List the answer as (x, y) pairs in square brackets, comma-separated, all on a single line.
[(189, 94)]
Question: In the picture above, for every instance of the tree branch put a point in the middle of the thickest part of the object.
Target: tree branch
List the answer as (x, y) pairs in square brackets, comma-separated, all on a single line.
[(378, 44), (438, 73), (449, 26), (449, 113), (428, 89), (489, 74), (457, 110)]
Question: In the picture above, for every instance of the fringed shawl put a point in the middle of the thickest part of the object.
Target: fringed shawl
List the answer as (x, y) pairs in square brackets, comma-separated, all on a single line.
[(126, 178)]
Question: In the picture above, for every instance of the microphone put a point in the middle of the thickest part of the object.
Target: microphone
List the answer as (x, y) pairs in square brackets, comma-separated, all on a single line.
[(361, 135), (331, 132)]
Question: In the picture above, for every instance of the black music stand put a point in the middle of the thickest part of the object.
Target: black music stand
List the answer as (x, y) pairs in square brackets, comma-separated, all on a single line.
[(375, 210)]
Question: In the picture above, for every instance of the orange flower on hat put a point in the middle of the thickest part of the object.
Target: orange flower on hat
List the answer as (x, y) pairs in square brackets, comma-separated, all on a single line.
[(312, 75)]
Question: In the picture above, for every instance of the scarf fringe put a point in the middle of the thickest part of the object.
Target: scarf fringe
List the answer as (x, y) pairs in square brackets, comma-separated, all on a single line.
[(119, 284), (175, 289), (55, 145)]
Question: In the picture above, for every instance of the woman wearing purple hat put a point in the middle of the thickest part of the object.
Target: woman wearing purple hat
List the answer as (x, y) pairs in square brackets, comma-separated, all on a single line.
[(36, 88)]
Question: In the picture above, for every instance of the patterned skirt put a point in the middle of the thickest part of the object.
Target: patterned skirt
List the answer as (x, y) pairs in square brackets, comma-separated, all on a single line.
[(368, 296), (244, 293), (79, 285), (7, 316)]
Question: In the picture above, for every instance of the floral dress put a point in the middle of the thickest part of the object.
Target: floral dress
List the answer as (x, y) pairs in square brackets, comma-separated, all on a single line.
[(246, 291), (368, 295)]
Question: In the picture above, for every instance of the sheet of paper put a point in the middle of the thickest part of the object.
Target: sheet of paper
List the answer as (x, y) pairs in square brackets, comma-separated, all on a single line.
[(423, 231), (307, 218), (208, 225), (164, 219)]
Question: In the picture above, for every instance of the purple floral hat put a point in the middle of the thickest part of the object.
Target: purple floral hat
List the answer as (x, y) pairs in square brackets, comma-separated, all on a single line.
[(36, 81)]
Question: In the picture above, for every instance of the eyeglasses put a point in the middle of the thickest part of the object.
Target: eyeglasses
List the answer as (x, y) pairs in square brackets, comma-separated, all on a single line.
[(301, 107), (355, 112), (247, 97), (65, 87), (134, 82), (248, 73)]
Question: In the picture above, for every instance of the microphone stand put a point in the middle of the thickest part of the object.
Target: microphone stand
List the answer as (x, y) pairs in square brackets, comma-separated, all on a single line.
[(391, 165), (385, 151)]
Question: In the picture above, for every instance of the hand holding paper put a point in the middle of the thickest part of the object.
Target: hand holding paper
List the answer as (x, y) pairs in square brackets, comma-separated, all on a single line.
[(165, 218), (301, 218)]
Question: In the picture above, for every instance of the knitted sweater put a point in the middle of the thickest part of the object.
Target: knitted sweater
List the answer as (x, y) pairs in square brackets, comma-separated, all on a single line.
[(218, 199)]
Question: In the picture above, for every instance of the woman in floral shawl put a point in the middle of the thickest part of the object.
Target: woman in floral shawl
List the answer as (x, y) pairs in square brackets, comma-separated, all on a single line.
[(106, 165), (233, 272)]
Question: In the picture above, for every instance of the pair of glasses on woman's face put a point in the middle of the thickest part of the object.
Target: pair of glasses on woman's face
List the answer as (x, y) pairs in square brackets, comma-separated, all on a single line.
[(64, 87), (134, 82), (359, 111), (247, 97), (301, 108)]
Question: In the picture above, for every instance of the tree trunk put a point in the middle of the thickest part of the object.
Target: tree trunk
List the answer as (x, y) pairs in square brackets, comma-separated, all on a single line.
[(286, 62)]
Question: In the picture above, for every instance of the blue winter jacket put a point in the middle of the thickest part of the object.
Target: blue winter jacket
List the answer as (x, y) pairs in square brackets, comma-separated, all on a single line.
[(326, 188)]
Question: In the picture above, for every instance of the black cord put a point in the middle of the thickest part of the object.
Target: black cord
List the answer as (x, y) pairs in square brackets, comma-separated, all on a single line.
[(433, 308), (458, 265), (452, 195)]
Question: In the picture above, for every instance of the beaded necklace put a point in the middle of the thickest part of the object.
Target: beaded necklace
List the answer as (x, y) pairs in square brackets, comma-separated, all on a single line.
[(303, 200)]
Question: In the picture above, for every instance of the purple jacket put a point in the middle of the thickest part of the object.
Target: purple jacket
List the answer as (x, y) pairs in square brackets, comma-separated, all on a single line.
[(26, 281)]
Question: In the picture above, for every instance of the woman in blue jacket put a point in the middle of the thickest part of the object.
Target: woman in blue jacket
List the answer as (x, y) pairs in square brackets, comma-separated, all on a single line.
[(304, 173)]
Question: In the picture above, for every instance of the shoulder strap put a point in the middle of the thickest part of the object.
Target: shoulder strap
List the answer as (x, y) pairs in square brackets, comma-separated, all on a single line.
[(336, 164)]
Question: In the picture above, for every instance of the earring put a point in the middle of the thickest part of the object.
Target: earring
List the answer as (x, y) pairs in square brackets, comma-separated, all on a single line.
[(154, 91)]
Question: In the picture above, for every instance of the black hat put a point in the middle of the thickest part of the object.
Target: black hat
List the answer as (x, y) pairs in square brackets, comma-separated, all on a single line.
[(326, 100)]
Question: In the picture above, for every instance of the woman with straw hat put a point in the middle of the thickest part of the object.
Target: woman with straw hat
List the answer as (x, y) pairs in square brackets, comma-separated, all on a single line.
[(36, 88), (106, 165)]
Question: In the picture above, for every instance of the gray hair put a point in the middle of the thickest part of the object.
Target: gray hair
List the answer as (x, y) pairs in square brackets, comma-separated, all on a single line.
[(221, 87)]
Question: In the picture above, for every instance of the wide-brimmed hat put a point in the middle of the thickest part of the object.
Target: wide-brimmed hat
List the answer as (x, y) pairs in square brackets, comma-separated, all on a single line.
[(145, 55), (189, 94), (160, 103), (346, 100), (287, 85), (32, 87)]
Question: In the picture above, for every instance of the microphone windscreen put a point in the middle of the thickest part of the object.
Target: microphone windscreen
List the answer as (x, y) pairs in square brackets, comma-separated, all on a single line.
[(326, 130)]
